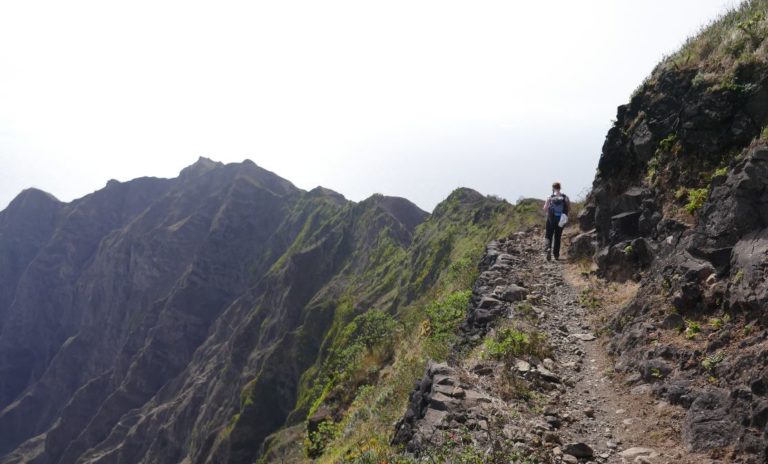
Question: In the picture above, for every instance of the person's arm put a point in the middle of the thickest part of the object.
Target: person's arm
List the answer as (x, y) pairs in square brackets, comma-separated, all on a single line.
[(546, 205)]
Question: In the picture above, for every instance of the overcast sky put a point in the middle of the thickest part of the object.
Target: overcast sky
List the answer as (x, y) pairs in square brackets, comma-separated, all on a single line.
[(409, 98)]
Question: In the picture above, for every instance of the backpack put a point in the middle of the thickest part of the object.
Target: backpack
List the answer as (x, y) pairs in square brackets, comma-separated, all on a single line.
[(557, 206)]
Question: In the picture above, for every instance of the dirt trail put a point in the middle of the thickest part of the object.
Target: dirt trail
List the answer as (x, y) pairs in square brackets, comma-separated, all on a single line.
[(568, 407), (602, 410)]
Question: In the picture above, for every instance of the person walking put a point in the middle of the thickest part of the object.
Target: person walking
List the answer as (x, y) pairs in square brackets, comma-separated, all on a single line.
[(557, 207)]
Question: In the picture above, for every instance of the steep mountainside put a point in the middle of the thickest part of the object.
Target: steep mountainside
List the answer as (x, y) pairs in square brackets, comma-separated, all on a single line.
[(679, 203), (187, 319)]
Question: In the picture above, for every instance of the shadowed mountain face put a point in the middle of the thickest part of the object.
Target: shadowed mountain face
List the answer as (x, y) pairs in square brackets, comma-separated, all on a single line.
[(169, 320)]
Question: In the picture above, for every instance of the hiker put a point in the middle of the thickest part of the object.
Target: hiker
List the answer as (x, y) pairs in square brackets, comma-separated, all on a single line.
[(557, 207)]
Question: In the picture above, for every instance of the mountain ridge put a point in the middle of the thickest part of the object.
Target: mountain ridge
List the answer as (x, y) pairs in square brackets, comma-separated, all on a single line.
[(142, 276)]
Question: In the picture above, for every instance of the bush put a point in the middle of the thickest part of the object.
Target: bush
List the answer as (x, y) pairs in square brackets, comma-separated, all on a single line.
[(511, 343), (443, 319), (316, 441), (696, 198)]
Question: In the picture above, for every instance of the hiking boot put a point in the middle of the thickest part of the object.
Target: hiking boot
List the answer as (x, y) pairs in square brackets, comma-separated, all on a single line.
[(549, 255)]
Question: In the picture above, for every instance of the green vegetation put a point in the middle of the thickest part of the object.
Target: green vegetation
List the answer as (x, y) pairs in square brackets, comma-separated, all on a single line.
[(316, 441), (589, 299), (397, 311), (691, 329), (710, 362), (443, 319), (720, 172), (454, 448), (667, 144), (509, 344), (716, 323), (736, 37), (525, 310), (696, 199)]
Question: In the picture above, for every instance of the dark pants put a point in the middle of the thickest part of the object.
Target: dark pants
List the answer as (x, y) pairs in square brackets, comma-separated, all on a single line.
[(554, 230)]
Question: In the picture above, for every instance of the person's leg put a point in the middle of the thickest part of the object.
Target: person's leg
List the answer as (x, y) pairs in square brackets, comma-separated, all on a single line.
[(550, 230), (558, 232)]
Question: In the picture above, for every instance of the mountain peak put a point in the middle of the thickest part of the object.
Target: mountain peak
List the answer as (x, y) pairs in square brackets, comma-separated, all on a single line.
[(32, 198), (406, 212), (199, 167)]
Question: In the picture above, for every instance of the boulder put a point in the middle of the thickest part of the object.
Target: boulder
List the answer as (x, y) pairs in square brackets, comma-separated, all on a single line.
[(624, 225), (583, 245), (511, 293), (578, 450), (587, 218)]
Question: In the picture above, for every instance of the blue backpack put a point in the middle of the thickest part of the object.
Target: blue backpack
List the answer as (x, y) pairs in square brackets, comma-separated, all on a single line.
[(557, 206)]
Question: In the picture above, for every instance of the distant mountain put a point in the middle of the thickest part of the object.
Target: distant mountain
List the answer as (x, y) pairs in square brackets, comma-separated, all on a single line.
[(187, 319)]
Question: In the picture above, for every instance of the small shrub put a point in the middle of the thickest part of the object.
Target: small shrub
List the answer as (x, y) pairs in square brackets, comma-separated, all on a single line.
[(315, 442), (443, 318), (710, 362), (526, 310), (691, 329), (696, 198), (716, 323), (720, 172), (589, 299), (753, 28), (511, 343), (667, 143)]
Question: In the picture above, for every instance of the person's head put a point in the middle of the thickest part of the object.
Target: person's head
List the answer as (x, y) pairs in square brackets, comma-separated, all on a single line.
[(556, 186)]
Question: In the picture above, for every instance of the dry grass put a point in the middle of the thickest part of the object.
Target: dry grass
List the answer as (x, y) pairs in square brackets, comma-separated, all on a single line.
[(603, 299), (736, 36)]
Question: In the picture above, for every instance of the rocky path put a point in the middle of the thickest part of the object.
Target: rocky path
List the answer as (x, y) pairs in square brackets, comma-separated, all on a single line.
[(578, 409)]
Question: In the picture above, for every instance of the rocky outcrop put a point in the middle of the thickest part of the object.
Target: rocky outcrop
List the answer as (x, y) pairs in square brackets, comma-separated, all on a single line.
[(679, 203), (674, 132)]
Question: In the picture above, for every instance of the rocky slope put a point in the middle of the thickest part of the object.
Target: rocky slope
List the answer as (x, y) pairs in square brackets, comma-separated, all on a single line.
[(187, 319), (679, 204)]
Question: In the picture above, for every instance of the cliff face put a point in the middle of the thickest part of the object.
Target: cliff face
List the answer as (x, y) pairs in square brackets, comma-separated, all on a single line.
[(679, 202), (186, 319)]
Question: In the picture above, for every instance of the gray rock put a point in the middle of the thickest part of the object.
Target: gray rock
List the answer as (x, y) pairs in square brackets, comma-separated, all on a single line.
[(511, 293), (579, 450), (583, 245)]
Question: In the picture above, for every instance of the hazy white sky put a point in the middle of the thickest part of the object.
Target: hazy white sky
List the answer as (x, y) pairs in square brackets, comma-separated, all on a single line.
[(410, 98)]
